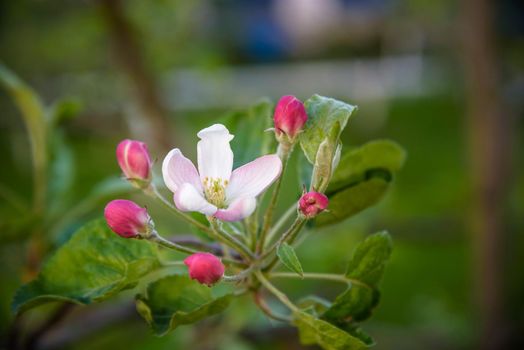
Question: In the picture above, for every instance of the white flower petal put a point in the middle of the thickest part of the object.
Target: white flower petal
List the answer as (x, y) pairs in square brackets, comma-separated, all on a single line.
[(187, 198), (251, 179), (239, 209), (177, 170), (215, 157)]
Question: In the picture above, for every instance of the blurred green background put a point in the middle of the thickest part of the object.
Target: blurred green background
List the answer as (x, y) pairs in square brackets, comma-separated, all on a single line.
[(445, 79)]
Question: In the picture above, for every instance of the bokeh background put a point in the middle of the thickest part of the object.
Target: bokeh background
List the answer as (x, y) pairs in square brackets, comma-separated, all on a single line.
[(444, 78)]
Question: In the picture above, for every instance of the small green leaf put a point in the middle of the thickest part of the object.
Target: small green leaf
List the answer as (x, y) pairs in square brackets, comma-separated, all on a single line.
[(324, 114), (365, 269), (315, 331), (178, 300), (289, 258), (249, 127), (93, 265)]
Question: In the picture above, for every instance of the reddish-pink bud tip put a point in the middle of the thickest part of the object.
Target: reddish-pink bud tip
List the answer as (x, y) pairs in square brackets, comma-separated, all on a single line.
[(127, 219), (290, 117), (312, 203), (205, 268), (134, 160)]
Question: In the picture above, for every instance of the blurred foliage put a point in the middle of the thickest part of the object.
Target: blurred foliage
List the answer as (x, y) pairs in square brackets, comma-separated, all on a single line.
[(426, 210)]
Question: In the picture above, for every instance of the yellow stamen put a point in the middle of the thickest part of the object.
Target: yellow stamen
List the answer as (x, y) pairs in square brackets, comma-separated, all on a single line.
[(215, 191)]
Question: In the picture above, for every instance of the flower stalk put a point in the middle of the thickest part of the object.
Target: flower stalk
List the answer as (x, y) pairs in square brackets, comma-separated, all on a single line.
[(284, 153)]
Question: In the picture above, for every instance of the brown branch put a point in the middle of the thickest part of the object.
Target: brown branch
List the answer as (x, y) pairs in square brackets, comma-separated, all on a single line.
[(150, 123), (490, 146), (59, 314)]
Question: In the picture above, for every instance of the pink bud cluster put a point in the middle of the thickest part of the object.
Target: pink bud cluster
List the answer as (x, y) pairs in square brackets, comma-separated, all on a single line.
[(135, 162), (127, 219), (312, 203), (205, 268), (289, 118)]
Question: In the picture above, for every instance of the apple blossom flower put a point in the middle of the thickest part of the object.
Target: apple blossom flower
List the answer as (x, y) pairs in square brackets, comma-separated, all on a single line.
[(216, 190), (289, 118), (134, 160), (312, 203), (127, 219), (205, 268)]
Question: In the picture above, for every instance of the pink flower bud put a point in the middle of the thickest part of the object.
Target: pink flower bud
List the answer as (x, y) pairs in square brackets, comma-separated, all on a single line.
[(290, 117), (205, 268), (127, 219), (134, 160), (312, 203)]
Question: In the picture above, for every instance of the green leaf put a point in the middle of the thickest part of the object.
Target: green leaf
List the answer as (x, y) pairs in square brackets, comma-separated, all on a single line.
[(354, 304), (365, 269), (62, 173), (354, 165), (360, 334), (33, 114), (315, 331), (370, 259), (324, 114), (178, 300), (361, 179), (353, 200), (93, 265), (249, 125), (289, 258)]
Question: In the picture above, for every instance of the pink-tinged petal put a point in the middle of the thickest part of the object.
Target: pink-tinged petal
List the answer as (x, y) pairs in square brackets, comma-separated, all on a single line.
[(215, 157), (253, 178), (205, 268), (312, 203), (240, 208), (126, 218), (134, 160), (177, 170), (290, 116), (187, 198)]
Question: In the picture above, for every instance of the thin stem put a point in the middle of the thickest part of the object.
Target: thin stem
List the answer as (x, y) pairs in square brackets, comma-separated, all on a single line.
[(274, 230), (319, 276), (153, 192), (310, 275), (172, 263), (155, 237), (284, 153), (261, 303), (240, 276), (277, 293), (226, 238), (288, 235), (251, 225)]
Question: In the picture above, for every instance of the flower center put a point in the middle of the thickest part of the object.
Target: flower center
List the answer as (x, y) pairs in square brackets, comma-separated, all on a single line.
[(215, 191)]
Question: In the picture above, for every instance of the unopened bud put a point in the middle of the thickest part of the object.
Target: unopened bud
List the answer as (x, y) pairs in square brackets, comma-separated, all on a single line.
[(289, 118), (312, 203), (205, 268), (127, 219), (135, 162)]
